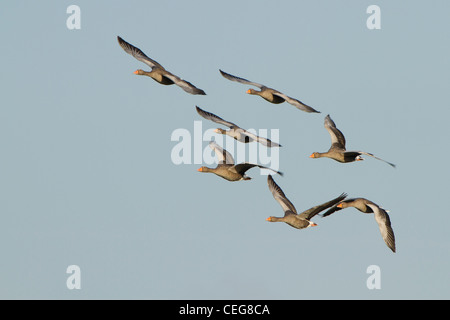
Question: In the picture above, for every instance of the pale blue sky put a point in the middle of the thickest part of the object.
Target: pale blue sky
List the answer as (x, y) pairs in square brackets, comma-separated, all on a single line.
[(87, 177)]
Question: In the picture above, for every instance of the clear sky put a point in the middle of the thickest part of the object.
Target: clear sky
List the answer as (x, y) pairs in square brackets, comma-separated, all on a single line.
[(87, 177)]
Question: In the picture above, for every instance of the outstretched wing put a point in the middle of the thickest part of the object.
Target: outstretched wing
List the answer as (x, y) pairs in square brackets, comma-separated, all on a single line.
[(280, 197), (240, 80), (223, 156), (371, 155), (337, 138), (241, 168), (264, 141), (183, 84), (384, 223), (138, 54), (210, 116), (334, 208), (297, 103), (308, 214)]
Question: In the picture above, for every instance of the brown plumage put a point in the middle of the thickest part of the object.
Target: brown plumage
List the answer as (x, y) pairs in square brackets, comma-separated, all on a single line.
[(337, 150), (226, 167), (269, 94), (367, 206), (158, 72), (298, 221), (235, 131)]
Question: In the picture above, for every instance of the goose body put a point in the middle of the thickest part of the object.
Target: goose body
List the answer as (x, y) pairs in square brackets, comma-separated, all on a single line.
[(337, 150), (291, 217), (226, 168), (235, 131), (369, 207), (269, 94)]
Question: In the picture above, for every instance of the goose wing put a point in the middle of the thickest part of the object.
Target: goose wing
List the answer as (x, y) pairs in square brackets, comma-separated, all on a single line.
[(138, 54), (308, 214), (334, 208), (223, 156), (210, 116), (240, 80), (264, 141), (371, 155), (384, 224), (297, 103), (280, 197), (337, 138), (241, 168), (183, 84)]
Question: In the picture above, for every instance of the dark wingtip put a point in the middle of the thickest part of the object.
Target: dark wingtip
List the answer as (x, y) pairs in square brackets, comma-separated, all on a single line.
[(273, 145), (326, 214), (223, 73)]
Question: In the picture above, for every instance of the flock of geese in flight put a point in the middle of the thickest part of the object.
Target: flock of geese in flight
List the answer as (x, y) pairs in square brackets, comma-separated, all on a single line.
[(227, 169)]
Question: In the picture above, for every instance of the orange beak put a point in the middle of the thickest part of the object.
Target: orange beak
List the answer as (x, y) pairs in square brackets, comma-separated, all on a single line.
[(200, 169), (312, 156), (269, 219), (314, 224), (136, 72), (249, 91), (339, 205)]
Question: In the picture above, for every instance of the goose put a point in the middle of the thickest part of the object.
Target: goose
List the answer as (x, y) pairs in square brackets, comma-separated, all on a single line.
[(235, 131), (367, 206), (269, 94), (226, 167), (291, 217), (337, 150), (158, 72)]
